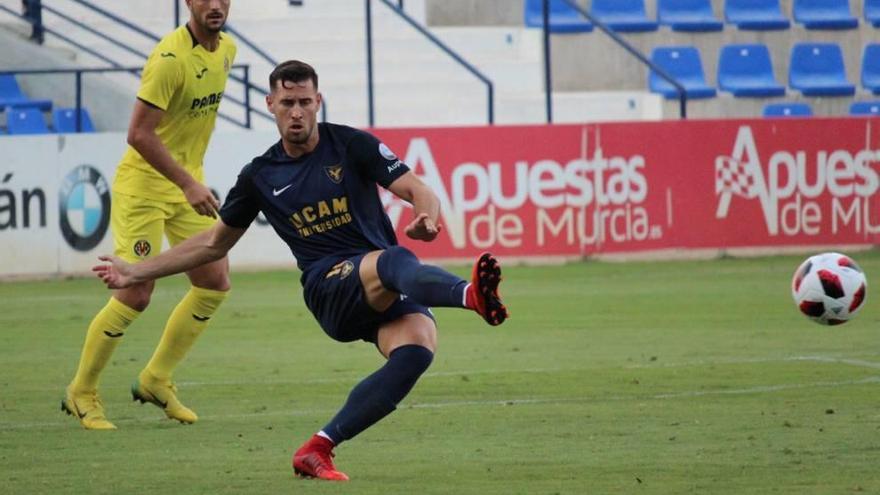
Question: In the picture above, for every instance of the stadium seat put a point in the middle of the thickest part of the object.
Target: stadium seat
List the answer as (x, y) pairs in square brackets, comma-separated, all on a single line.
[(824, 14), (684, 64), (816, 69), (763, 15), (64, 120), (865, 108), (872, 12), (563, 18), (746, 70), (25, 120), (11, 95), (787, 110), (688, 15), (871, 68), (623, 15)]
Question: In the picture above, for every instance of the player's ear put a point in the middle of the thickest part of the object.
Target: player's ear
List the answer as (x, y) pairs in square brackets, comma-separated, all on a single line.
[(269, 102), (319, 99)]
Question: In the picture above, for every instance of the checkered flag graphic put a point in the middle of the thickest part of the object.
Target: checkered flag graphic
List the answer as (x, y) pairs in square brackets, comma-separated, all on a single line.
[(733, 177)]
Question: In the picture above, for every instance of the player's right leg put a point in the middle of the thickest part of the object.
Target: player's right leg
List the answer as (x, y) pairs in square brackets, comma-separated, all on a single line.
[(137, 226), (408, 342)]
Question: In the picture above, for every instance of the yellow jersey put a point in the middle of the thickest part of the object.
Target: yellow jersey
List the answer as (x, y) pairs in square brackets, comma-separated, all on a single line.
[(187, 81)]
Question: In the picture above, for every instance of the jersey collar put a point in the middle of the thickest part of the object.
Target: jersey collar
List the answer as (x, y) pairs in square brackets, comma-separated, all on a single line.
[(193, 37)]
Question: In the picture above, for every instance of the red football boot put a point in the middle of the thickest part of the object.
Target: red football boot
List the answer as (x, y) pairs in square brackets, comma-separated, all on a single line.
[(315, 460), (482, 295)]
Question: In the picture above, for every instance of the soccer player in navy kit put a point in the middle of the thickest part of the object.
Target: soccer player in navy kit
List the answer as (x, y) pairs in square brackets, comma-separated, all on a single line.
[(317, 188)]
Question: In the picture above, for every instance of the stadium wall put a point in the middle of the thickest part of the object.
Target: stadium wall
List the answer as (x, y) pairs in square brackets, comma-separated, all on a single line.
[(525, 192)]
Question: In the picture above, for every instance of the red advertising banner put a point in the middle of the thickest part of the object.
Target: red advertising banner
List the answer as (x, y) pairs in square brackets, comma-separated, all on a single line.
[(568, 190)]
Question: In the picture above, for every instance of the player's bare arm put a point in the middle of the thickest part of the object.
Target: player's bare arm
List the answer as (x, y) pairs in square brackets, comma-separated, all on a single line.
[(210, 245), (143, 138), (426, 206)]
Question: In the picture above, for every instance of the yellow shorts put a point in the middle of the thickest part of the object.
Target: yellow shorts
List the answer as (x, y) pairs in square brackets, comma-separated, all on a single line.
[(138, 225)]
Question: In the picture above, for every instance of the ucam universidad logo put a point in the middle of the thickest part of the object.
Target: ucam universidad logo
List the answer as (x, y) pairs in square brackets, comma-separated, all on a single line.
[(798, 190)]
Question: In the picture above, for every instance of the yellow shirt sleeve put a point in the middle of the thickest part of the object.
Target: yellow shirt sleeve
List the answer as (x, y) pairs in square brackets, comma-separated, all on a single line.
[(162, 76)]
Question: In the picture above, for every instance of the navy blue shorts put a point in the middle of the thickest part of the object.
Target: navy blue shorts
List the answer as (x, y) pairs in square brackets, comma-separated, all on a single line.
[(336, 298)]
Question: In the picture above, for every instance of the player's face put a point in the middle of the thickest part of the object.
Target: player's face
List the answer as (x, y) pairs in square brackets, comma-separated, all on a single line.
[(210, 15), (295, 106)]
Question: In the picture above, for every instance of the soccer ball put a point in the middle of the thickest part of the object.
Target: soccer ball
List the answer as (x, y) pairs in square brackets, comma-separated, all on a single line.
[(829, 288)]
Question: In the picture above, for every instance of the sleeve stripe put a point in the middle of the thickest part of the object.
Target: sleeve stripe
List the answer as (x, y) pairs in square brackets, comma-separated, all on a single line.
[(149, 103)]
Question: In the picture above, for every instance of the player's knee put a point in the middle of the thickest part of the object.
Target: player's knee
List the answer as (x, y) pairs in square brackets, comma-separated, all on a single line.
[(136, 297), (394, 262), (216, 279), (397, 255), (219, 283)]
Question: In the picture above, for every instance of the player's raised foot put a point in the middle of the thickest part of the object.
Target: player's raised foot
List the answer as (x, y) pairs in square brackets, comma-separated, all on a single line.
[(162, 394), (315, 460), (483, 296), (87, 407)]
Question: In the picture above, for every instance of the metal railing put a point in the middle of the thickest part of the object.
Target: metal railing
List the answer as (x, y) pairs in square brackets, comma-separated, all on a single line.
[(682, 94), (33, 15), (490, 90), (78, 73)]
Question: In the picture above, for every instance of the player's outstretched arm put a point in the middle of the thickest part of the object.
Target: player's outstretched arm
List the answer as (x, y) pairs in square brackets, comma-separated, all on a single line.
[(205, 247), (426, 206)]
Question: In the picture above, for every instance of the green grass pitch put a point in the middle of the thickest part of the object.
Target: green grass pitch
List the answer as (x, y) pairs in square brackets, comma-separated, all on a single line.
[(619, 378)]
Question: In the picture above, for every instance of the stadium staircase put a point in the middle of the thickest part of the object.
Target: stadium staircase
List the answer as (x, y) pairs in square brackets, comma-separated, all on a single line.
[(416, 84)]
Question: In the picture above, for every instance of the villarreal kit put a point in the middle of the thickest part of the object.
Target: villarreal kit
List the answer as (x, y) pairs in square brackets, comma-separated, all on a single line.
[(186, 81)]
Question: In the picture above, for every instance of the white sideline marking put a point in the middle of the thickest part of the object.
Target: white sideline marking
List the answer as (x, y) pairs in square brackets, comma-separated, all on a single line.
[(824, 359), (358, 377), (816, 359), (479, 403)]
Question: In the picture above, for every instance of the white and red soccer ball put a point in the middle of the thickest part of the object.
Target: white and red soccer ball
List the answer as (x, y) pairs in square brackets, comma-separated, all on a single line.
[(829, 288)]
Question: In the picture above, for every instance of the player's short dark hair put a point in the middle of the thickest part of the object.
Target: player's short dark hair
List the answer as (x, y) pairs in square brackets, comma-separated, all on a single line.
[(293, 71)]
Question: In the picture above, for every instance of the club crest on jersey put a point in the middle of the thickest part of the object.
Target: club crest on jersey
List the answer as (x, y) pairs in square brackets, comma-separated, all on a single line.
[(342, 270), (334, 172), (142, 248)]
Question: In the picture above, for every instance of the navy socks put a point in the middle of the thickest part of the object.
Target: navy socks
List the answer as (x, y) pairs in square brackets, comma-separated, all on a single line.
[(400, 271), (377, 395)]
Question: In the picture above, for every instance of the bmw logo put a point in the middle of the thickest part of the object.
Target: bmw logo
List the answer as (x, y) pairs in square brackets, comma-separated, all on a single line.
[(84, 203)]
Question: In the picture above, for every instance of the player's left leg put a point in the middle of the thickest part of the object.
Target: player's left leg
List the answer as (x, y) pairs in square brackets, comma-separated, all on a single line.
[(409, 343), (209, 288), (398, 270)]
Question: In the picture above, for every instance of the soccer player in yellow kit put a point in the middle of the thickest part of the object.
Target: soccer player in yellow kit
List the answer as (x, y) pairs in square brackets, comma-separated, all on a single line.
[(158, 189)]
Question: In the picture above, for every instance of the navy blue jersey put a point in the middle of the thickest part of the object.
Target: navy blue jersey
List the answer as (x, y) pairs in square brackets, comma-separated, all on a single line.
[(325, 204)]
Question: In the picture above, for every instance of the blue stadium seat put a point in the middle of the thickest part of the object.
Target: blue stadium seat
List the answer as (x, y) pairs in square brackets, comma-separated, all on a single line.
[(872, 12), (684, 64), (816, 69), (623, 15), (25, 120), (563, 18), (746, 70), (787, 110), (688, 15), (11, 95), (64, 120), (865, 108), (824, 14), (757, 15), (871, 68)]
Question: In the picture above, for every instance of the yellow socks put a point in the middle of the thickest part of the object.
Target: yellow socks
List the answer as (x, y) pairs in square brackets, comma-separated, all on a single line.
[(104, 334), (184, 326)]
